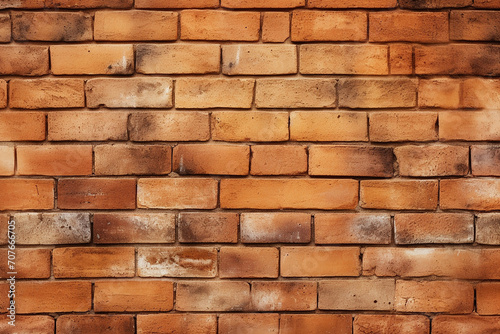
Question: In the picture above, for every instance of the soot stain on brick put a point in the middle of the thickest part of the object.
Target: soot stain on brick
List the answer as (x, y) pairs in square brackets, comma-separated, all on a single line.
[(143, 53), (74, 30), (462, 168), (486, 63)]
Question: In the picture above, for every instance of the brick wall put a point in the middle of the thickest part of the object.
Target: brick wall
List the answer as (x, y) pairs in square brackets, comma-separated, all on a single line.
[(251, 166)]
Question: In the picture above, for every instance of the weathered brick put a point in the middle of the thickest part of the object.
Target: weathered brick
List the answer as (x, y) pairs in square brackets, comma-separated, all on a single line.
[(248, 59), (47, 93), (480, 93), (476, 194), (249, 262), (486, 3), (474, 26), (137, 159), (250, 323), (31, 60), (488, 298), (488, 229), (41, 324), (284, 296), (4, 220), (441, 160), (115, 228), (343, 59), (220, 25), (98, 324), (434, 4), (74, 262), (316, 323), (465, 324), (26, 194), (352, 228), (282, 227), (213, 227), (403, 126), (278, 160), (7, 160), (288, 194), (72, 4), (328, 126), (309, 26), (24, 260), (262, 3), (402, 324), (96, 193), (215, 296), (137, 25), (400, 59), (439, 93), (184, 193), (469, 125), (275, 27), (5, 28), (3, 93), (32, 4), (177, 323), (352, 3)]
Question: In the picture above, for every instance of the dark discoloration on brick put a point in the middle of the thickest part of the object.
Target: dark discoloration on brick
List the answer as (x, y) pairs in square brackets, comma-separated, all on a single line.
[(208, 227), (32, 26)]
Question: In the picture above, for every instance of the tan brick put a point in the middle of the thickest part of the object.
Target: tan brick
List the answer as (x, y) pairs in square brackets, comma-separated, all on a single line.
[(485, 160), (480, 93), (176, 3), (214, 296), (469, 125), (41, 324), (137, 159), (279, 227), (72, 4), (137, 25), (199, 193), (275, 27), (262, 3), (251, 323), (97, 324), (403, 126), (284, 296), (439, 93), (213, 227), (178, 58), (47, 93), (278, 160), (488, 229), (434, 4), (379, 324), (352, 3), (465, 324), (488, 298), (316, 323), (477, 194), (177, 323), (24, 260), (5, 28), (7, 160), (249, 262), (308, 26), (31, 60), (220, 25), (474, 25), (248, 59), (400, 59), (26, 194)]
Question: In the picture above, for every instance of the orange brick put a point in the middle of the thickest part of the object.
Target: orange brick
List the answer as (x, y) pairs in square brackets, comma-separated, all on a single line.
[(343, 59), (41, 324), (7, 160), (403, 324), (469, 125), (474, 25), (361, 294), (284, 295), (252, 323), (177, 3), (178, 58), (275, 27), (5, 28), (47, 93), (480, 93), (32, 60), (316, 323), (133, 296), (137, 25), (213, 227), (137, 159), (251, 59), (262, 3), (282, 227), (486, 3), (211, 159), (400, 59), (54, 160), (51, 26), (488, 229), (72, 4), (74, 262), (220, 25), (439, 93), (288, 194), (377, 93), (278, 160), (488, 298), (3, 93), (24, 260), (309, 26), (352, 228), (403, 126), (429, 228), (199, 193), (249, 126), (177, 323), (97, 324), (434, 296), (477, 194), (214, 296), (434, 4), (351, 161), (26, 194), (115, 228), (24, 4), (169, 126), (470, 324), (87, 126), (352, 3), (237, 262), (328, 126)]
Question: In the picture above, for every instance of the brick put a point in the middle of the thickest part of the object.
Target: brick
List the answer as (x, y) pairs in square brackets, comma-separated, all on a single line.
[(488, 298), (29, 60), (137, 25), (319, 261), (214, 296), (51, 26), (430, 228), (251, 323), (23, 4), (39, 296), (47, 93), (178, 58), (316, 323), (439, 93), (379, 324), (220, 25), (275, 27), (343, 59), (400, 59), (117, 228), (480, 25), (72, 4), (4, 219), (377, 93), (177, 262), (488, 229), (7, 160), (328, 126), (52, 228), (129, 93), (177, 323), (439, 160), (134, 160), (399, 194), (262, 3), (249, 262), (434, 4), (3, 94), (459, 263), (98, 324), (41, 324), (434, 296), (24, 260), (87, 126), (5, 28), (486, 3), (133, 296), (352, 3), (96, 193), (288, 194), (309, 26), (278, 160), (74, 262), (351, 161), (352, 228), (279, 227), (26, 194), (203, 93), (169, 126), (480, 93), (469, 125), (457, 59), (54, 160), (478, 194), (177, 3), (284, 296), (259, 59), (92, 59), (211, 159), (213, 227), (465, 324), (199, 193), (253, 126), (362, 294), (403, 126)]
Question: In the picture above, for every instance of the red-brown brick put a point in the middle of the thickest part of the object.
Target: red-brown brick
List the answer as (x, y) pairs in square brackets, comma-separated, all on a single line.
[(249, 262), (98, 324), (439, 93), (213, 227), (41, 324), (474, 25), (402, 324), (470, 324), (316, 323), (135, 160), (176, 3), (278, 160), (213, 296), (251, 323), (278, 227), (488, 229), (177, 323), (24, 259), (26, 194), (31, 60), (488, 298), (262, 3), (352, 3)]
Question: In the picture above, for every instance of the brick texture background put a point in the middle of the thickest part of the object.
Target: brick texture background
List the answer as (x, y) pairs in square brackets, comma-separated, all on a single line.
[(251, 166)]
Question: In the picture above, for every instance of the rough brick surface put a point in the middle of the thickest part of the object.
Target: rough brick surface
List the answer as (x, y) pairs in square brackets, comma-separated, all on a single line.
[(249, 262), (284, 296), (278, 160), (403, 126), (259, 59), (177, 323), (98, 324), (7, 160), (47, 93), (26, 194), (253, 323), (275, 227), (404, 324), (196, 227), (213, 296), (316, 323), (447, 324), (24, 60), (488, 229)]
